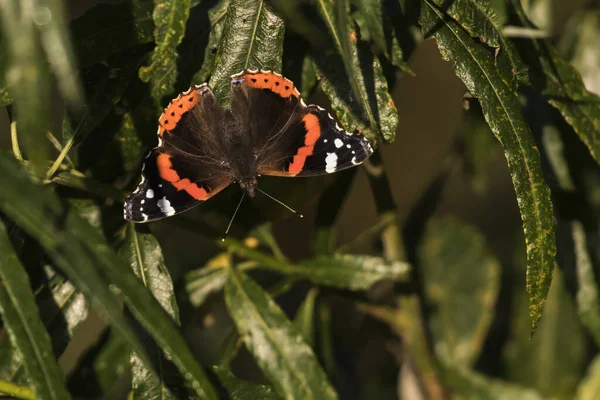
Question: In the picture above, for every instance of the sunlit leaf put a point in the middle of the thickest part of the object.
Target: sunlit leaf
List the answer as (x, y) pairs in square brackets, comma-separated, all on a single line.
[(502, 110), (202, 282), (169, 18), (472, 385), (22, 321), (589, 388), (277, 346), (252, 38), (243, 390), (348, 271), (461, 282)]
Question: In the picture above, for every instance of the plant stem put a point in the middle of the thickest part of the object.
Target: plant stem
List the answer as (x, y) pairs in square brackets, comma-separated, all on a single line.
[(20, 392), (409, 309), (15, 141)]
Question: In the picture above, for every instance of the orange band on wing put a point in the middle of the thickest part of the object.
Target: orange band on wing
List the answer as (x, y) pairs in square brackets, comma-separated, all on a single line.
[(179, 106), (273, 82), (313, 132), (166, 171)]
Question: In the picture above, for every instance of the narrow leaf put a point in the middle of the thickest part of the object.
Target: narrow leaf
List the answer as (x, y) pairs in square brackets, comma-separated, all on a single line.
[(217, 18), (22, 321), (588, 298), (589, 388), (381, 31), (472, 385), (242, 390), (502, 110), (279, 349), (82, 253), (170, 17), (563, 87), (305, 317), (349, 271), (27, 78), (62, 309), (5, 98), (461, 282), (475, 16), (55, 39), (368, 107), (202, 282), (252, 38), (144, 255)]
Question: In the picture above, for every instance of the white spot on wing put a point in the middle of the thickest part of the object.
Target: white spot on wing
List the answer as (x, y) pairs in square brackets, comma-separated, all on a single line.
[(348, 146), (331, 162), (143, 201), (160, 185), (354, 161), (165, 206), (150, 193), (338, 143), (145, 216), (324, 140)]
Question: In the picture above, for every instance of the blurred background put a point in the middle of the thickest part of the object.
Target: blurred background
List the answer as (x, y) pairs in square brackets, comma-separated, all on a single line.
[(429, 178)]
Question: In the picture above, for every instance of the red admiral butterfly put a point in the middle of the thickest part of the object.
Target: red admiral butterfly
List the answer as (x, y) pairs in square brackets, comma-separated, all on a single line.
[(269, 130)]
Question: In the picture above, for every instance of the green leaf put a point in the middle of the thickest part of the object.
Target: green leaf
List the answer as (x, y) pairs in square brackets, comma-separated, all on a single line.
[(589, 388), (5, 98), (105, 30), (368, 107), (27, 78), (202, 282), (477, 17), (474, 65), (277, 346), (553, 360), (588, 298), (585, 54), (348, 271), (49, 19), (461, 282), (472, 385), (242, 390), (170, 17), (25, 328), (305, 317), (381, 31), (252, 38), (563, 87), (62, 309), (143, 253), (88, 261), (217, 17)]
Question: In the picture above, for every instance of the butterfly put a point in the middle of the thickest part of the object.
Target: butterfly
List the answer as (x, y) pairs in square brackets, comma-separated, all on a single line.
[(269, 130)]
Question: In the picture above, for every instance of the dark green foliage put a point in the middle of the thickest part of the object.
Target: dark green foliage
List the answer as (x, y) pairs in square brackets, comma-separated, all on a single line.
[(275, 312)]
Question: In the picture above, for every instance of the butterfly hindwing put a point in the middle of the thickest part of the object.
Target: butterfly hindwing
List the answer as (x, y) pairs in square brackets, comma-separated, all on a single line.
[(291, 138), (182, 171)]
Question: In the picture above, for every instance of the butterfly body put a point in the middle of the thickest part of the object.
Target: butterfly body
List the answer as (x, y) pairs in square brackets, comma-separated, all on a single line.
[(267, 131)]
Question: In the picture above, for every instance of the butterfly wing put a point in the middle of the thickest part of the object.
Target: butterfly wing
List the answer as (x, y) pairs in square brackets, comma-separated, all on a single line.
[(186, 166), (291, 138)]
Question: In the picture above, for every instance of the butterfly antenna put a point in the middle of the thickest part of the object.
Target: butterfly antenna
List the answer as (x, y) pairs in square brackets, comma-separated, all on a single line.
[(233, 216), (282, 203)]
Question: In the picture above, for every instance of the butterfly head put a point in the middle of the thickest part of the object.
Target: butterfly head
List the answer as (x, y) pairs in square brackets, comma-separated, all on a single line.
[(249, 185)]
